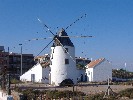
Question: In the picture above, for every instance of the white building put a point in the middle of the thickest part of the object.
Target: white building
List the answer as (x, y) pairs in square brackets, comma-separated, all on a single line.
[(99, 70), (37, 74), (62, 69), (63, 64)]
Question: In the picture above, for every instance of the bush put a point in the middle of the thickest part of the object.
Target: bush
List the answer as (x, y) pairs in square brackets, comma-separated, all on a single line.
[(127, 93), (14, 81), (52, 94)]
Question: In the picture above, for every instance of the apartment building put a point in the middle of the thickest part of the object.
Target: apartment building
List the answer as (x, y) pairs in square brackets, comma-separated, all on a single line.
[(15, 63), (3, 67), (11, 63)]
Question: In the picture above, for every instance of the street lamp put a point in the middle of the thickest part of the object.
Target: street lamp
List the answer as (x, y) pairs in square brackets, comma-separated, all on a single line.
[(21, 59)]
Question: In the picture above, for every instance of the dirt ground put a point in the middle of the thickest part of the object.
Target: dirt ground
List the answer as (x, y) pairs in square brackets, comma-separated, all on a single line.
[(86, 88)]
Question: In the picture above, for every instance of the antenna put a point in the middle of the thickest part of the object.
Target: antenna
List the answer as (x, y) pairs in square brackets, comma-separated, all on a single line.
[(125, 66)]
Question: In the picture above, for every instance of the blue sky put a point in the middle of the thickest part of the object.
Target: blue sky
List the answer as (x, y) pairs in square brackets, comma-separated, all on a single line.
[(110, 23)]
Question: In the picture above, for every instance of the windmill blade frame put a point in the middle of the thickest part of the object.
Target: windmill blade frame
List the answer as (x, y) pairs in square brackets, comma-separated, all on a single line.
[(45, 47), (55, 36), (53, 39), (76, 36), (35, 39), (75, 21), (46, 27)]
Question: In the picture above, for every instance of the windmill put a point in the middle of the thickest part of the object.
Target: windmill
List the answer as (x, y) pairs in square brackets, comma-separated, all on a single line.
[(63, 65)]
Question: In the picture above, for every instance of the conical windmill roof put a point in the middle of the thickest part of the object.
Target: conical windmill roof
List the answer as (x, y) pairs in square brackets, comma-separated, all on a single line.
[(65, 41)]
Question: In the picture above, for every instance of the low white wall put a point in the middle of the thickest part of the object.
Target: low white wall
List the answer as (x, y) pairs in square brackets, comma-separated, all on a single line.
[(37, 70)]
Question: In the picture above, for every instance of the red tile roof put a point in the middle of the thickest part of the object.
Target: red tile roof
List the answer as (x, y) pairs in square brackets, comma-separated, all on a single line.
[(93, 63)]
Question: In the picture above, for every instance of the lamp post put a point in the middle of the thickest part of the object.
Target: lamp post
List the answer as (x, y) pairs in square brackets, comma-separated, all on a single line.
[(21, 59)]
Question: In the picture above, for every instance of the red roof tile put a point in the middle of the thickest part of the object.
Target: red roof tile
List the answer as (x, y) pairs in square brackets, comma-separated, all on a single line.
[(94, 63)]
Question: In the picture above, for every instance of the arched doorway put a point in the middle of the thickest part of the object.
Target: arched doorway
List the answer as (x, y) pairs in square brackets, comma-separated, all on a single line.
[(67, 82)]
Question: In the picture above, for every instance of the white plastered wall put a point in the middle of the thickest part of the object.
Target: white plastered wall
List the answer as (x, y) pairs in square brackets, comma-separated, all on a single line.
[(100, 72), (37, 70), (59, 70)]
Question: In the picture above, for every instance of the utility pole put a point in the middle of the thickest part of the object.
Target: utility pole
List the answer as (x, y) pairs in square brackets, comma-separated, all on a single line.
[(109, 91), (8, 75), (21, 60), (8, 84), (108, 86)]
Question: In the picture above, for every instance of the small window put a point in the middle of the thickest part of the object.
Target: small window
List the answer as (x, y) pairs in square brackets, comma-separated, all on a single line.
[(88, 72), (50, 62), (66, 50), (51, 56), (53, 50), (66, 61)]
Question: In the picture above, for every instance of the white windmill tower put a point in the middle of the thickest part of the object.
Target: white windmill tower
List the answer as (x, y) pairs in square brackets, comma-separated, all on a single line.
[(63, 64)]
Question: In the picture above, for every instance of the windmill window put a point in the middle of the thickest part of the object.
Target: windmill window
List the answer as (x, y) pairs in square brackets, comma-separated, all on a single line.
[(53, 50), (50, 62), (66, 61), (51, 56), (66, 50)]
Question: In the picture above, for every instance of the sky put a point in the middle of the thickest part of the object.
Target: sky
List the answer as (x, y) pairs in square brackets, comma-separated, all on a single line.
[(110, 22)]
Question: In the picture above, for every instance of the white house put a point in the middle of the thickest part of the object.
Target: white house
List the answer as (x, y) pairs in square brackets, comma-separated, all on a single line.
[(37, 74), (99, 70)]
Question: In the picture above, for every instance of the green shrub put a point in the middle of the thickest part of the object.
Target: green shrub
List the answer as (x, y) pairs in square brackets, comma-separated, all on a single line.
[(14, 81), (127, 93)]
